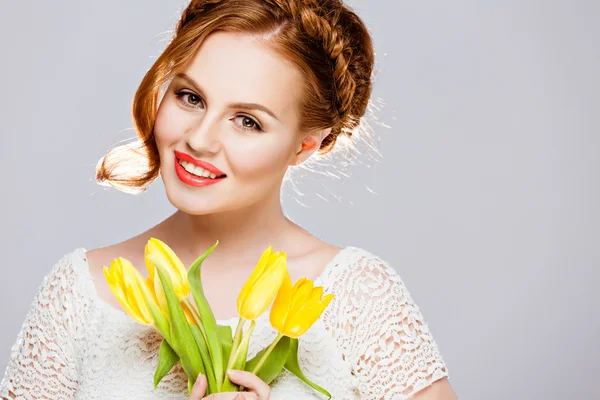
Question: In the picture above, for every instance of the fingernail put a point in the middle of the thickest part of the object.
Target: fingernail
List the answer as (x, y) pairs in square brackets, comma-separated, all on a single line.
[(232, 372)]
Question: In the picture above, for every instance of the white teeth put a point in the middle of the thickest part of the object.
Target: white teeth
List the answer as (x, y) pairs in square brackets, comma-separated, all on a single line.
[(196, 170)]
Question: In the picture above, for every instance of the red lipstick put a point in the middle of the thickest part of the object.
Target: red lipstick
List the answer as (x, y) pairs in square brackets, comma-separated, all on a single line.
[(202, 164), (191, 179)]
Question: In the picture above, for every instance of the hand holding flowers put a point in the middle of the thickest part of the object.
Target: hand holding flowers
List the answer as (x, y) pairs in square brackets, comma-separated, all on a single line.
[(190, 332)]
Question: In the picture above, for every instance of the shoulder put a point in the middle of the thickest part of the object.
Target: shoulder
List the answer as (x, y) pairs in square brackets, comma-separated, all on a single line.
[(356, 264), (364, 282), (68, 269), (64, 291), (132, 249)]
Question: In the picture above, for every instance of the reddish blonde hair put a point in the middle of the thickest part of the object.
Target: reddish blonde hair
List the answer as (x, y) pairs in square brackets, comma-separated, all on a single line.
[(324, 39)]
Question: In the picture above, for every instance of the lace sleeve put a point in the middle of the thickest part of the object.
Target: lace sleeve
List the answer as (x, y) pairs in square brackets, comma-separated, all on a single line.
[(382, 332), (43, 361)]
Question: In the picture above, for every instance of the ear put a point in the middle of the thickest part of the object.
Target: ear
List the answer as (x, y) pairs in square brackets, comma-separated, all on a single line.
[(309, 144)]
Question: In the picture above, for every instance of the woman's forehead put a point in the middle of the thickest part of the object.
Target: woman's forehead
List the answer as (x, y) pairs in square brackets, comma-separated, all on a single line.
[(241, 68)]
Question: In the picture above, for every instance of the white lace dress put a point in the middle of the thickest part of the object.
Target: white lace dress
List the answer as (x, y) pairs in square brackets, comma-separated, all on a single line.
[(371, 343)]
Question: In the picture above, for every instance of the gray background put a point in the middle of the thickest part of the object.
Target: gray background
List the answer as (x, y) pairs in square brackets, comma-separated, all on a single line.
[(486, 199)]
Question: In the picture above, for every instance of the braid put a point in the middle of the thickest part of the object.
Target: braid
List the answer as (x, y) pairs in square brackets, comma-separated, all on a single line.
[(321, 24), (317, 25)]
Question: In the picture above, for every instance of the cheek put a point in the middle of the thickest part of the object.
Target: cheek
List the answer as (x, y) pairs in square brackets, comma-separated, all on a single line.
[(167, 128), (259, 159)]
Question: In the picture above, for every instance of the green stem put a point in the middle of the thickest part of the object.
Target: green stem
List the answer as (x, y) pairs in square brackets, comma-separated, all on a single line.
[(236, 341), (242, 346), (196, 318), (266, 353)]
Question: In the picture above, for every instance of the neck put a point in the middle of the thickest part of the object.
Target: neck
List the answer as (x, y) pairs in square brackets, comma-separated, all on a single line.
[(245, 232)]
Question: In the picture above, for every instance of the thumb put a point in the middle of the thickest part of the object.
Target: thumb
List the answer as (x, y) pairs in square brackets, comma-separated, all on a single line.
[(199, 388)]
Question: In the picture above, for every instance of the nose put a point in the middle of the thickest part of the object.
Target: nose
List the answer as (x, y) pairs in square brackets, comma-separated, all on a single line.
[(203, 135)]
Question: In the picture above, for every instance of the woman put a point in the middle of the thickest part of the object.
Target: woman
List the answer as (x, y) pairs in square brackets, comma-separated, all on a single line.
[(253, 87)]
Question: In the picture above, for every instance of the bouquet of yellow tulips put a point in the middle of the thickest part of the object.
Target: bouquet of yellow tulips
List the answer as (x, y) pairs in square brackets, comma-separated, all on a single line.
[(190, 331)]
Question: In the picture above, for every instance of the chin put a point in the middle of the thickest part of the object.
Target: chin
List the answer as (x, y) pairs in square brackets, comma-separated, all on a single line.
[(193, 205), (191, 200)]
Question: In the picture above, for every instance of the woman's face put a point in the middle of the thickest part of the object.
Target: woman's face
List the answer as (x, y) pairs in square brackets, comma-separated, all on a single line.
[(236, 108)]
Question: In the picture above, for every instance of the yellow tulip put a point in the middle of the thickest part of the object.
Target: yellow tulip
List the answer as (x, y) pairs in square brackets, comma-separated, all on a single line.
[(174, 266), (297, 308), (188, 314), (263, 284), (186, 310), (127, 283)]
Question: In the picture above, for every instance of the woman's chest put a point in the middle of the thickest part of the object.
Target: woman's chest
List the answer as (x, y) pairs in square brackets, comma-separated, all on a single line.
[(119, 358)]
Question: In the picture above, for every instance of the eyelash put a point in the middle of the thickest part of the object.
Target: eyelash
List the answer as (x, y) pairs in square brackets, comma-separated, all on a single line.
[(180, 94)]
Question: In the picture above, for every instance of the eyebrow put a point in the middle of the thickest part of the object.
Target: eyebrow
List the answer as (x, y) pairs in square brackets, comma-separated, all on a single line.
[(244, 106)]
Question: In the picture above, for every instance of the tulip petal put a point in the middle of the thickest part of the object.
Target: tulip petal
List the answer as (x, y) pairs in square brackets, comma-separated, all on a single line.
[(258, 271), (327, 299), (301, 295), (172, 264), (160, 296), (149, 265), (263, 292), (173, 260), (307, 316), (282, 303), (317, 293), (276, 263), (123, 279), (299, 283)]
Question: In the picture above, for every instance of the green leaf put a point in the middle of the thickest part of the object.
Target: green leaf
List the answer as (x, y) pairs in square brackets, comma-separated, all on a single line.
[(293, 366), (160, 320), (226, 337), (210, 375), (181, 338), (167, 358), (206, 315), (274, 363)]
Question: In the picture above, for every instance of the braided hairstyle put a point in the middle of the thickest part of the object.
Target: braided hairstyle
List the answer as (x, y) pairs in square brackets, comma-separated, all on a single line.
[(324, 39)]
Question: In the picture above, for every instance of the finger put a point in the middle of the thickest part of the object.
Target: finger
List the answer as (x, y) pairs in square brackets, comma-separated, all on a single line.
[(245, 396), (251, 382), (199, 388), (231, 396)]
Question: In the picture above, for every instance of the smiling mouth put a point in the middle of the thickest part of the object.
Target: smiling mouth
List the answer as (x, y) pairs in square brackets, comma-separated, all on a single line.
[(199, 171)]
